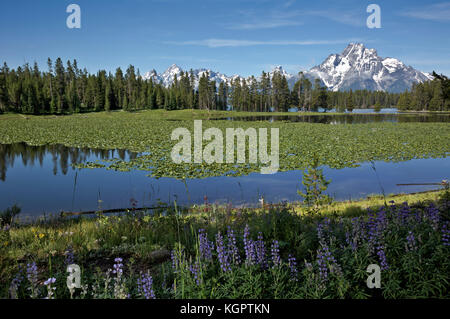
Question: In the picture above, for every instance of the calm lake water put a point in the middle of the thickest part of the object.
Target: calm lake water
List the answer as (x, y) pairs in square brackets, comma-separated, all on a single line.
[(42, 181), (359, 118)]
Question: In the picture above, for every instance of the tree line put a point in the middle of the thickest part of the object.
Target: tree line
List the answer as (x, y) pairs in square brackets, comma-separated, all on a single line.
[(65, 89), (427, 96)]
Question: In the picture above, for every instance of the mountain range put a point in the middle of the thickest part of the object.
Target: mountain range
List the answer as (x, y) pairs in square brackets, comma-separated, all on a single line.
[(357, 67)]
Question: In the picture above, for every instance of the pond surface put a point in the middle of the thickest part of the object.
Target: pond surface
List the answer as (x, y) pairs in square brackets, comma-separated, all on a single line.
[(41, 180), (359, 118)]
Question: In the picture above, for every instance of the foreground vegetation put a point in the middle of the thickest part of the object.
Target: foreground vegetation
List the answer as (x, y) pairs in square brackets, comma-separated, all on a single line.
[(150, 131), (224, 252)]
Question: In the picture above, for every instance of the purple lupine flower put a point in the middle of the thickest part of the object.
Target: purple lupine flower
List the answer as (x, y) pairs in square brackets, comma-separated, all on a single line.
[(32, 276), (293, 267), (321, 228), (404, 213), (381, 221), (32, 272), (411, 242), (322, 263), (222, 254), (195, 269), (145, 286), (249, 247), (206, 247), (173, 257), (326, 261), (275, 252), (177, 257), (15, 283), (69, 256), (372, 231), (382, 257), (260, 251), (351, 242), (50, 281), (50, 290), (118, 266), (232, 247), (432, 214), (445, 234)]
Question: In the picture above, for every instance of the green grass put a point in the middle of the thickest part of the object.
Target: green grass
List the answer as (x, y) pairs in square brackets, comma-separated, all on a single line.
[(145, 240), (337, 146)]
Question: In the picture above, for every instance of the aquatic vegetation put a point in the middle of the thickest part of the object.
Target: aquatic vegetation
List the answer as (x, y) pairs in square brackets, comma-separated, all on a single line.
[(149, 133)]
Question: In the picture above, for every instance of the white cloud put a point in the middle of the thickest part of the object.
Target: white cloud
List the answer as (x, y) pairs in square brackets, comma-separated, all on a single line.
[(352, 18), (435, 12), (264, 25), (218, 43)]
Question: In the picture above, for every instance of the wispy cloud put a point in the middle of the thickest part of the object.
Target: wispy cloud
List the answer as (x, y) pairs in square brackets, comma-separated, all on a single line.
[(435, 12), (218, 43), (285, 16), (288, 3), (264, 25), (352, 18)]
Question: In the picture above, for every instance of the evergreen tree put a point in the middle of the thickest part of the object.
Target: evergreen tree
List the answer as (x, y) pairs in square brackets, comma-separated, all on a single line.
[(349, 102)]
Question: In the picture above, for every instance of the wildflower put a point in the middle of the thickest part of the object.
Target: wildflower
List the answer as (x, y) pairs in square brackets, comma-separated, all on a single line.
[(145, 286), (325, 261), (432, 214), (195, 269), (119, 285), (32, 276), (232, 247), (321, 228), (351, 242), (222, 254), (410, 242), (405, 211), (173, 257), (50, 290), (321, 262), (205, 246), (293, 267), (118, 266), (69, 256), (15, 283), (260, 251), (249, 247), (445, 234), (275, 251), (382, 257)]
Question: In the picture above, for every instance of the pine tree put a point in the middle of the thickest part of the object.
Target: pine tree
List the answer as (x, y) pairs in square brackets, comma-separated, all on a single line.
[(349, 102)]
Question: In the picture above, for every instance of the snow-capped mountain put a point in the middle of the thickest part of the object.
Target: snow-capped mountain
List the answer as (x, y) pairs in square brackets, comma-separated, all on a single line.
[(168, 76), (355, 68), (360, 68)]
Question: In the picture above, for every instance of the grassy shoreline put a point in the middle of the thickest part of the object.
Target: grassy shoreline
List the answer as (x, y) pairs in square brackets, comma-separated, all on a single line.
[(145, 240)]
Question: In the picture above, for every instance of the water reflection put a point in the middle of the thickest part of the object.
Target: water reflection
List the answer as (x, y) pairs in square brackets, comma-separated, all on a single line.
[(61, 156), (349, 118)]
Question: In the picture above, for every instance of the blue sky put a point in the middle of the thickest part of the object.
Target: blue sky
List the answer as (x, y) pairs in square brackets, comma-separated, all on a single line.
[(234, 37)]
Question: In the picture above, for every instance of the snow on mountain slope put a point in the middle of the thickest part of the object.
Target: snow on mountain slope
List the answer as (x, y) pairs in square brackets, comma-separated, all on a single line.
[(360, 68)]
